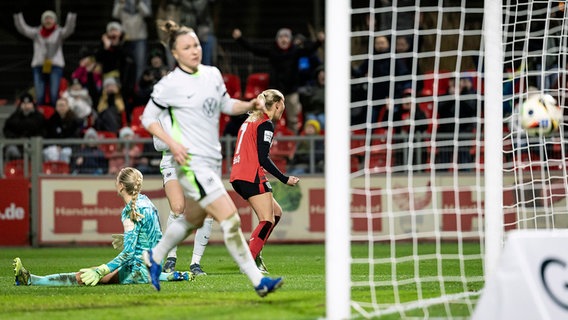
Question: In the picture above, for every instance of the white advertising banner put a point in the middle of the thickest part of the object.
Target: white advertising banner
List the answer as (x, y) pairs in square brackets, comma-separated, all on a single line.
[(87, 210)]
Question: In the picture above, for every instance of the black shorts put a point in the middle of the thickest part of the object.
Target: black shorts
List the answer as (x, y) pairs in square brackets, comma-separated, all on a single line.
[(248, 189)]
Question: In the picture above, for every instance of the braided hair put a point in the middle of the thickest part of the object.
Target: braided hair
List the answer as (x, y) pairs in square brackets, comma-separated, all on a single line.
[(132, 179)]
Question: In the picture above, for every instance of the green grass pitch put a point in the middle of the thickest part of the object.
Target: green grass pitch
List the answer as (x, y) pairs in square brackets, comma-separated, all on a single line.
[(224, 293)]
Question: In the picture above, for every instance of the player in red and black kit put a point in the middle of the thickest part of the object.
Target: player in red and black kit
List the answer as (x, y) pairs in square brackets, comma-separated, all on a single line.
[(250, 161)]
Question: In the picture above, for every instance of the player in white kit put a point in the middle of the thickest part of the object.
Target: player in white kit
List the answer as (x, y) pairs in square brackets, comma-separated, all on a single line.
[(183, 113)]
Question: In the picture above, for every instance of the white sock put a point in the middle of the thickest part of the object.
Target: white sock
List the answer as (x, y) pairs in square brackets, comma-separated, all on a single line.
[(176, 233), (171, 218), (201, 240), (238, 248)]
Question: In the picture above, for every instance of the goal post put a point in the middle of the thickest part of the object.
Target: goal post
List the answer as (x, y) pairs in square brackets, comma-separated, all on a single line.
[(493, 60), (337, 191)]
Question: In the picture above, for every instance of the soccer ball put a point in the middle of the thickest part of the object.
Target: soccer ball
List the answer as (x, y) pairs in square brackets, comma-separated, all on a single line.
[(540, 115)]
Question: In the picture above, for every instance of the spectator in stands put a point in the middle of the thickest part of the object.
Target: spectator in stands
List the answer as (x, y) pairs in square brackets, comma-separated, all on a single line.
[(301, 161), (152, 74), (126, 154), (89, 159), (25, 122), (47, 61), (313, 98), (111, 107), (195, 14), (62, 124), (89, 74), (465, 109), (115, 61), (132, 15), (408, 117), (308, 64), (79, 100), (403, 62), (283, 58), (381, 76)]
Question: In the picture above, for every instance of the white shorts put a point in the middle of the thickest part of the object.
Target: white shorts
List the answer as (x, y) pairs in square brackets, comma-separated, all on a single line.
[(201, 179), (168, 167)]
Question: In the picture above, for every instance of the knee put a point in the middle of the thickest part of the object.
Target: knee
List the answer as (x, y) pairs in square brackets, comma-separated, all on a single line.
[(231, 224), (177, 208)]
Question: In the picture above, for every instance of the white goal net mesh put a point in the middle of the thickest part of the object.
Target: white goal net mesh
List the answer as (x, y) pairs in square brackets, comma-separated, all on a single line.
[(417, 158), (534, 39), (418, 150)]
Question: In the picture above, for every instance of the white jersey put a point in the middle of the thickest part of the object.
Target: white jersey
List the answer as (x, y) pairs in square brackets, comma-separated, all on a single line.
[(195, 102)]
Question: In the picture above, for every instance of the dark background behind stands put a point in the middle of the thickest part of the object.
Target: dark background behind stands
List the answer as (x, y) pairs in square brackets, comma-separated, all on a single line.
[(259, 20)]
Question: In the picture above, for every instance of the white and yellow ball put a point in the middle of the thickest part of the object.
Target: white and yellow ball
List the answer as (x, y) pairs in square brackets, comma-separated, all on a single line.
[(540, 115)]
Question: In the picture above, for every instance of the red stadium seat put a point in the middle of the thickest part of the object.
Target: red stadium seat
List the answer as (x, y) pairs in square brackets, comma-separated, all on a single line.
[(223, 120), (14, 168), (256, 83), (280, 163), (107, 148), (136, 122), (56, 167), (233, 85), (433, 86), (47, 111)]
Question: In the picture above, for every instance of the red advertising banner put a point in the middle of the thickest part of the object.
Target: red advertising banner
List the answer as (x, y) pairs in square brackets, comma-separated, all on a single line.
[(14, 212)]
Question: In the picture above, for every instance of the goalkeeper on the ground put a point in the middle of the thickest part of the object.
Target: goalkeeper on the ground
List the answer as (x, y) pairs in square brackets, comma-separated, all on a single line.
[(141, 232)]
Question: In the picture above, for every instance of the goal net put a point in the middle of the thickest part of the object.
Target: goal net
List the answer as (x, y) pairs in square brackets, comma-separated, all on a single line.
[(439, 169)]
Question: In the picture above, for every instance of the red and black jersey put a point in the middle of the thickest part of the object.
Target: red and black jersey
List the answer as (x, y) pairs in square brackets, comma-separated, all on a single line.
[(252, 152)]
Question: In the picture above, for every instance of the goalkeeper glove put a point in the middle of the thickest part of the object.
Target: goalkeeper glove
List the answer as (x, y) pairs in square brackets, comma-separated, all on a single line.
[(92, 276), (118, 241)]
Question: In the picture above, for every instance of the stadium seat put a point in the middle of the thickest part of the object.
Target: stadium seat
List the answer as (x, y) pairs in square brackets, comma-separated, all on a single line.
[(63, 85), (55, 167), (47, 111), (223, 120), (280, 163), (355, 163), (256, 83), (233, 85), (136, 122), (107, 148), (14, 168), (431, 87)]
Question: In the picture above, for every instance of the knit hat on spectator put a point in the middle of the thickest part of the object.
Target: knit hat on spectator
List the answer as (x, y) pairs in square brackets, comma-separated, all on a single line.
[(48, 13), (91, 134), (113, 25), (26, 97), (110, 81), (314, 123), (124, 132), (85, 52), (284, 32)]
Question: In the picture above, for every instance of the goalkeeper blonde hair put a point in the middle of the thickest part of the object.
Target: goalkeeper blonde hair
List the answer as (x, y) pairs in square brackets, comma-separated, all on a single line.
[(132, 179)]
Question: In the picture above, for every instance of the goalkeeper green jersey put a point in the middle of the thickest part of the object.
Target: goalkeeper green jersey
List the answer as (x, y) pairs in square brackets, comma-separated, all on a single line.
[(138, 236)]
